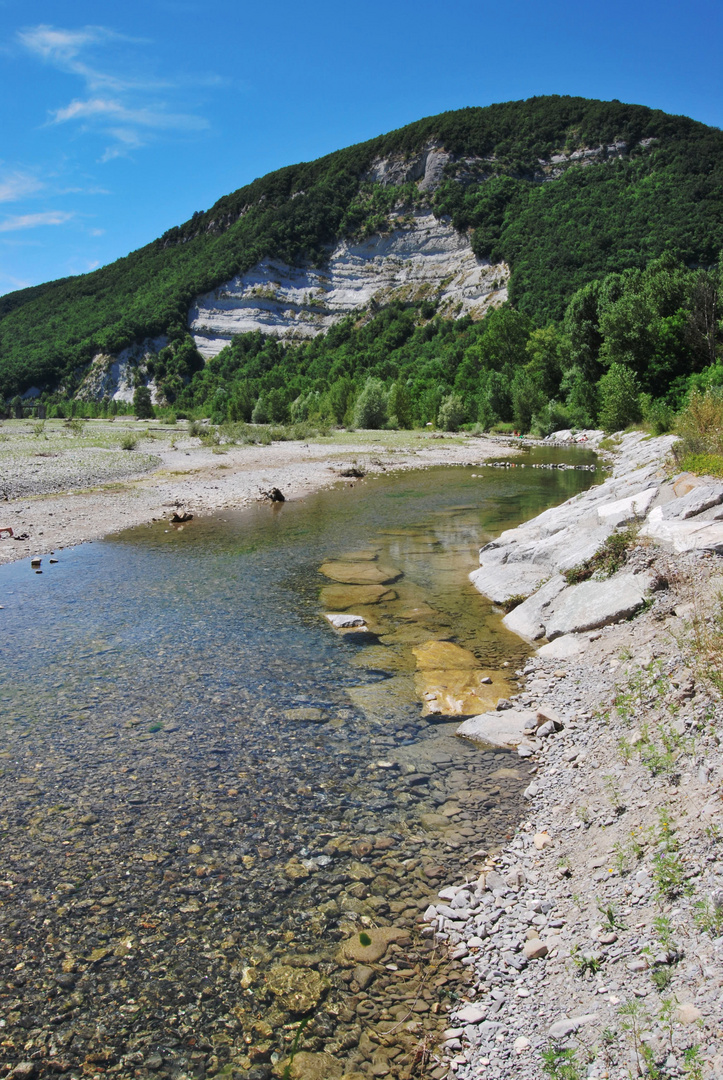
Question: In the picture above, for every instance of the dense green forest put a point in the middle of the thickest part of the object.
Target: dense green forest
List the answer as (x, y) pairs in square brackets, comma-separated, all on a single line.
[(613, 277), (631, 343)]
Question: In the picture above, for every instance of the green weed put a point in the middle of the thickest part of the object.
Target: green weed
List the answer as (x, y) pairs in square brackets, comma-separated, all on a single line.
[(561, 1064)]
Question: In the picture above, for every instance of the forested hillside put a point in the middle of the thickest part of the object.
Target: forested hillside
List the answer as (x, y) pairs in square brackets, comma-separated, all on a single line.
[(612, 250)]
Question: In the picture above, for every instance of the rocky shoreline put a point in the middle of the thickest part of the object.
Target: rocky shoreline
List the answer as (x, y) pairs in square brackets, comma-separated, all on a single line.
[(594, 936)]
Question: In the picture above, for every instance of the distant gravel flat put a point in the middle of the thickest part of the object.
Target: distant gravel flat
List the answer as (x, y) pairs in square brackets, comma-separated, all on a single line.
[(23, 474)]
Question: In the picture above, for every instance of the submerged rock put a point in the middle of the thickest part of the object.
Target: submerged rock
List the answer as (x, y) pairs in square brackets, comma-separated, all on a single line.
[(298, 990), (361, 573), (370, 946), (341, 597)]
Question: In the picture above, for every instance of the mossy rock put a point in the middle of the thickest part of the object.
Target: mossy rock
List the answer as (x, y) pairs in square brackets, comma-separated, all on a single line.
[(306, 1066), (299, 990), (370, 945)]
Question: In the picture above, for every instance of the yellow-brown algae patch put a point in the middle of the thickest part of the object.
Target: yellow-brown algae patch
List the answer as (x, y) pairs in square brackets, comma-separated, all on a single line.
[(360, 573)]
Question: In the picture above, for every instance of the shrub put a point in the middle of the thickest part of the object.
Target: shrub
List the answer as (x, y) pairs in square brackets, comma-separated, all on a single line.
[(553, 417), (700, 423), (142, 404), (611, 556), (658, 416), (619, 392), (260, 414), (370, 409), (129, 441), (451, 413)]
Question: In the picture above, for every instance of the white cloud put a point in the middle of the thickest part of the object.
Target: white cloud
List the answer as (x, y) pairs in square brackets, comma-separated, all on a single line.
[(17, 185), (32, 221), (130, 110), (16, 283), (117, 111)]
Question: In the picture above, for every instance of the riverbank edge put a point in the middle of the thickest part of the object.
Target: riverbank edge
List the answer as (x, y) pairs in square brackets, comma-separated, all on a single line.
[(202, 480), (595, 934)]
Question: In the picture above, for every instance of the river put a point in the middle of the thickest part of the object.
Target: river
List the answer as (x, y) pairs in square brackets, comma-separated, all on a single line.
[(214, 806)]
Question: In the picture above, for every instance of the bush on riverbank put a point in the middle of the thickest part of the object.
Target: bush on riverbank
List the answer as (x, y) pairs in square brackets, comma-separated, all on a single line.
[(700, 427)]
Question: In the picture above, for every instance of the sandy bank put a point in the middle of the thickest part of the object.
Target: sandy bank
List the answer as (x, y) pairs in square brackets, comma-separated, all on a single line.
[(63, 489)]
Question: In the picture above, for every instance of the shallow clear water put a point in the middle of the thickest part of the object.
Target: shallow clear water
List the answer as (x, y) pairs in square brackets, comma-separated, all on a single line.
[(156, 780)]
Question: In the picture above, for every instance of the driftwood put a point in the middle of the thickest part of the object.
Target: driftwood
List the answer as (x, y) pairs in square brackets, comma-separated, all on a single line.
[(352, 470), (274, 495), (179, 516)]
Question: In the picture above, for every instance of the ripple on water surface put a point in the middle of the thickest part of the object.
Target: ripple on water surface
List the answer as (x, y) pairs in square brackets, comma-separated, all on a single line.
[(208, 794)]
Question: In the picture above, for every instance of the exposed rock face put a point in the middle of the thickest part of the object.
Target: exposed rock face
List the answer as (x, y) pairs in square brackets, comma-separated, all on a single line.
[(427, 260), (426, 167), (682, 514), (597, 603), (112, 376)]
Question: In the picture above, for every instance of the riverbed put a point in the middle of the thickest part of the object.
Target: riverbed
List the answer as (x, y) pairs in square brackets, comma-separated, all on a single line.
[(211, 799)]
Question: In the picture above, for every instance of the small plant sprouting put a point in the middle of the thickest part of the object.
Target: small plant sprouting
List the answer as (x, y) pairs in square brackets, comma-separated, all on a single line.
[(286, 1075), (586, 962), (693, 1063), (614, 794), (663, 930), (709, 917), (668, 866), (609, 913), (561, 1064), (625, 750), (633, 1020), (662, 977)]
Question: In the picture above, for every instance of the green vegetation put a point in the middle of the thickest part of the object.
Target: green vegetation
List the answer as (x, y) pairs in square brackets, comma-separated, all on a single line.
[(614, 284), (561, 1063), (608, 560)]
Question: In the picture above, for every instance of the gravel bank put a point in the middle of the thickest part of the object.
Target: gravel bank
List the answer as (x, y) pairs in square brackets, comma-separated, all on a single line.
[(595, 935), (62, 489)]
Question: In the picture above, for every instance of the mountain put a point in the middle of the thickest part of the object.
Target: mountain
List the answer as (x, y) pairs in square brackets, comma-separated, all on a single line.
[(525, 202)]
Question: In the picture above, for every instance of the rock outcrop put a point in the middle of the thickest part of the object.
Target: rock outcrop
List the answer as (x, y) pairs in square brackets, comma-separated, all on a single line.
[(682, 514), (425, 260)]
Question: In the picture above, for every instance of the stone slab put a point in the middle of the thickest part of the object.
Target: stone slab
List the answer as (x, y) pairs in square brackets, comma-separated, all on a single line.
[(562, 648), (628, 509), (527, 620), (596, 603), (504, 729), (683, 536), (499, 582)]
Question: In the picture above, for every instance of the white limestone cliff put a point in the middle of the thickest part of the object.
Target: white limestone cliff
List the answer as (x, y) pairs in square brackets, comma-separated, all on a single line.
[(426, 259)]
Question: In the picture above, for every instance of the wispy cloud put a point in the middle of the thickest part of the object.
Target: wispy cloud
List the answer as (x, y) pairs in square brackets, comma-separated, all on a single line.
[(32, 221), (128, 109), (15, 282), (17, 185)]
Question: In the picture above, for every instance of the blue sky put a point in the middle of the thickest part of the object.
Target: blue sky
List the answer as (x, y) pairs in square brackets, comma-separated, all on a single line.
[(119, 121)]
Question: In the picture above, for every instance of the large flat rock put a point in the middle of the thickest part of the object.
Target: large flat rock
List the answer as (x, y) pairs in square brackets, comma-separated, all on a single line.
[(628, 509), (362, 573), (528, 619), (500, 582), (504, 729), (696, 501), (596, 603), (563, 648), (341, 597), (433, 655), (457, 691), (684, 535)]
